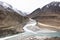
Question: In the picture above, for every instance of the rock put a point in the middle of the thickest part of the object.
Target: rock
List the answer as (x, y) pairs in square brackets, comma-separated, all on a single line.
[(31, 37)]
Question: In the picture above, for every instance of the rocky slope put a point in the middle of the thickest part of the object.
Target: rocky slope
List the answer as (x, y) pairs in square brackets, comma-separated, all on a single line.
[(10, 19), (48, 15)]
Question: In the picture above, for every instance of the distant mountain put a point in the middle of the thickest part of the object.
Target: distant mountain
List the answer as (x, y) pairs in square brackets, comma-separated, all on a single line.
[(51, 10), (34, 13), (53, 7)]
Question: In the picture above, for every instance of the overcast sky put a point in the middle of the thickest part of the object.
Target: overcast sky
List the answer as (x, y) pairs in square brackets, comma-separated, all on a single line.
[(28, 5)]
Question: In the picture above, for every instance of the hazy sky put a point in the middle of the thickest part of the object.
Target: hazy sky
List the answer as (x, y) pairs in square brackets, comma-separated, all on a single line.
[(28, 5)]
